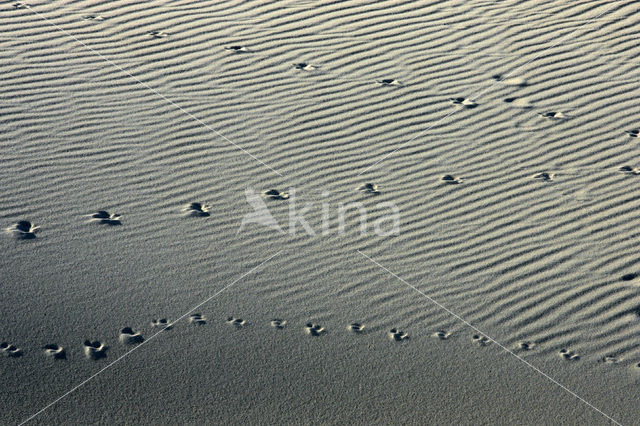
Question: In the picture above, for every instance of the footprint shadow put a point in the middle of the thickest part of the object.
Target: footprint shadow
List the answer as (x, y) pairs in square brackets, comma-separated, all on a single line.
[(54, 351), (314, 329), (23, 230), (10, 350), (105, 218), (197, 319), (568, 355), (130, 337), (162, 323), (278, 324), (94, 350), (398, 335), (236, 322)]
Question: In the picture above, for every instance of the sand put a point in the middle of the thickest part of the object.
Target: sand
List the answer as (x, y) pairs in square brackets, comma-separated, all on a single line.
[(505, 133)]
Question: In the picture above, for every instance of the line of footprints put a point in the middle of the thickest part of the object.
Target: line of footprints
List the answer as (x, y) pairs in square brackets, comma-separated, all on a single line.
[(96, 350), (26, 230)]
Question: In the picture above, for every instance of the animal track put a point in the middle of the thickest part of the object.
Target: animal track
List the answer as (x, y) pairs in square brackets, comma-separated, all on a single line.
[(24, 230), (197, 319), (20, 5), (389, 82), (450, 179), (236, 49), (513, 81), (481, 340), (467, 103), (369, 188), (569, 355), (130, 337), (554, 115), (278, 323), (94, 350), (397, 335), (633, 133), (236, 322), (547, 177), (609, 359), (106, 218), (442, 335), (356, 327), (305, 67), (274, 194), (94, 18), (54, 351), (314, 329), (526, 346), (630, 170), (197, 210), (158, 34), (10, 350), (161, 323)]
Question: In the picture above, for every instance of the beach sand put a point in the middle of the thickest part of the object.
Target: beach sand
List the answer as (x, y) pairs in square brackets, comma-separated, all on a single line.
[(504, 132)]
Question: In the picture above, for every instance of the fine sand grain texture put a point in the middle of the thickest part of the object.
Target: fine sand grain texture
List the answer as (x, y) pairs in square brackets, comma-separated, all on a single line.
[(503, 134)]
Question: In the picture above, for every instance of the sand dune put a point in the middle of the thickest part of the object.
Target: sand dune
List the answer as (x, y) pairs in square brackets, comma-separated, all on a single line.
[(503, 131)]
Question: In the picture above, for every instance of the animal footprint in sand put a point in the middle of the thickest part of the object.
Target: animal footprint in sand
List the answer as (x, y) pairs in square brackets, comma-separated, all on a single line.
[(305, 67), (94, 350), (526, 346), (197, 210), (278, 323), (274, 194), (545, 176), (554, 115), (464, 102), (24, 230), (442, 335), (610, 359), (161, 323), (450, 179), (236, 49), (569, 355), (94, 18), (314, 329), (369, 188), (630, 170), (105, 218), (389, 82), (10, 350), (397, 335), (513, 81), (130, 337), (481, 340), (236, 322), (158, 34), (633, 133), (197, 319), (54, 351), (356, 327)]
